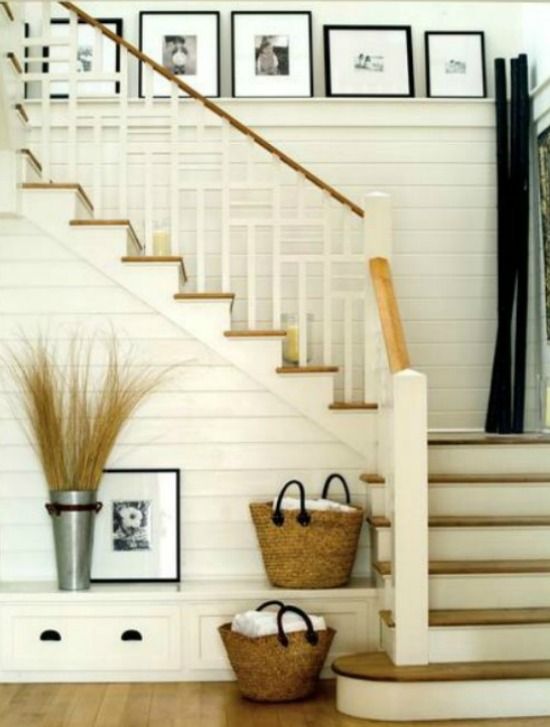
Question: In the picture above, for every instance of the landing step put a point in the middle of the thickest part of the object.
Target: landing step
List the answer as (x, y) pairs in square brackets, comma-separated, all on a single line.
[(481, 617), (472, 521), (64, 185), (475, 567), (469, 479), (377, 666), (353, 405), (307, 369), (267, 333), (157, 259), (475, 438)]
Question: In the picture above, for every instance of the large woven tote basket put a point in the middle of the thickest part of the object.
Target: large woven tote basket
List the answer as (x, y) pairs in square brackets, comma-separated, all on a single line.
[(278, 668), (303, 549)]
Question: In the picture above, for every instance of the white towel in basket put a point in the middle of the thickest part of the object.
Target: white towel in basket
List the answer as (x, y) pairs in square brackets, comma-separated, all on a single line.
[(264, 623), (293, 503)]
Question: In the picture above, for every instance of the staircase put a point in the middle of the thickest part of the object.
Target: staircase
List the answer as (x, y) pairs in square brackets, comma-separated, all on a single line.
[(461, 562), (489, 589)]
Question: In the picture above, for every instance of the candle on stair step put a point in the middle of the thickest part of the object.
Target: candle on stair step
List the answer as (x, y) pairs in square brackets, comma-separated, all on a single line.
[(161, 242), (291, 343)]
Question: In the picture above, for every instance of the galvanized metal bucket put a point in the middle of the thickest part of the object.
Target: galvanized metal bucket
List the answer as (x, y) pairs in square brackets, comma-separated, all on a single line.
[(72, 513)]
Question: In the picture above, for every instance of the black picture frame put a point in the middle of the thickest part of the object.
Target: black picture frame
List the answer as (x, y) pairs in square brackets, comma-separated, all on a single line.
[(134, 540), (434, 71), (302, 90), (336, 87), (213, 92), (114, 24)]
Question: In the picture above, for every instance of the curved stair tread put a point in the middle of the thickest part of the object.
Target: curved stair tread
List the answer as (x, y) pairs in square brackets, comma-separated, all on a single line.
[(472, 521), (377, 666), (476, 567), (481, 617)]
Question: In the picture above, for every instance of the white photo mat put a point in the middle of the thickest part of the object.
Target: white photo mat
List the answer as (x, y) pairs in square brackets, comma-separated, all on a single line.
[(455, 64), (287, 71), (136, 535), (368, 61), (186, 43)]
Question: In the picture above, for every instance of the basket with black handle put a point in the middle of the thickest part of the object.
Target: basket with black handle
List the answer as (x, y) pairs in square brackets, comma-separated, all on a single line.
[(302, 549), (281, 667)]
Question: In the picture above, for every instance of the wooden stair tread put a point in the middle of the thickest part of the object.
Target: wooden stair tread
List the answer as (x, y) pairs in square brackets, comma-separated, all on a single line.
[(372, 478), (63, 185), (353, 405), (480, 438), (157, 259), (377, 666), (476, 567), (481, 617), (307, 369), (28, 153), (204, 296), (257, 333), (22, 111), (473, 521), (100, 223), (8, 10), (14, 60)]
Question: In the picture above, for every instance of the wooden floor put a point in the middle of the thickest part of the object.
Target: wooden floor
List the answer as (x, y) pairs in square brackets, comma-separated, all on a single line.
[(180, 705)]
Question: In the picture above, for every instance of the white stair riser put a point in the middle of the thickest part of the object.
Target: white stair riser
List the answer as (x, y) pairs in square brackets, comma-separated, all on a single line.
[(102, 244), (53, 209), (164, 277), (509, 499), (406, 701), (265, 351), (490, 643), (487, 459), (466, 543), (525, 590), (212, 317)]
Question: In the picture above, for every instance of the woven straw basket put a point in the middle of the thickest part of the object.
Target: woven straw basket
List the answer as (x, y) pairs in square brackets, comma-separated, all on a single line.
[(278, 668), (303, 549)]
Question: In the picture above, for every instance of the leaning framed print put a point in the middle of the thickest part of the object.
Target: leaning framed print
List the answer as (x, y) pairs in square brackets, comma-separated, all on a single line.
[(368, 60), (272, 54), (86, 50), (455, 64), (137, 532), (187, 44)]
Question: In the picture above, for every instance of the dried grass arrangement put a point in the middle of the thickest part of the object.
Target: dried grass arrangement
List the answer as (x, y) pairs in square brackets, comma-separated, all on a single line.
[(73, 418)]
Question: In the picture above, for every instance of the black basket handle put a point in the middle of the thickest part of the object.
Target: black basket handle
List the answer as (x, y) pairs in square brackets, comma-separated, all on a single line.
[(311, 636), (265, 604), (303, 517), (328, 481)]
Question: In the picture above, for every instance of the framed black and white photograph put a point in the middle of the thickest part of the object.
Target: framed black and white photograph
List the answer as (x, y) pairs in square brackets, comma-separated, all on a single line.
[(368, 60), (272, 54), (185, 43), (137, 532), (455, 64), (86, 50)]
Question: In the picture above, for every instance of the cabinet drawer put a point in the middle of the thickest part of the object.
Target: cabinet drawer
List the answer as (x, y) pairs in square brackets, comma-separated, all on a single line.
[(60, 638)]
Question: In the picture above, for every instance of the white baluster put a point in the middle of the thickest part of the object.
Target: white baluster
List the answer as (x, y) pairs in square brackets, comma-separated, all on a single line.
[(97, 165), (327, 281), (276, 248), (123, 136), (225, 205), (174, 197), (348, 348), (201, 256), (251, 274), (72, 85), (302, 313), (46, 120), (148, 76), (148, 188)]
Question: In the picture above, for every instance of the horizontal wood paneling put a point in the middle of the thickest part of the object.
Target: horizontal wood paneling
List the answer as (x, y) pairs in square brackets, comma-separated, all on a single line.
[(233, 441)]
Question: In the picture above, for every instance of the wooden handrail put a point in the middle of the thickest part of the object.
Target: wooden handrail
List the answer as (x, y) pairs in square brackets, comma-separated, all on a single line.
[(218, 110), (388, 310)]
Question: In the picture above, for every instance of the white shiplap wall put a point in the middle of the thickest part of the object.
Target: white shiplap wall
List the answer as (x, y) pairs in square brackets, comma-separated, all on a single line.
[(436, 159), (233, 441)]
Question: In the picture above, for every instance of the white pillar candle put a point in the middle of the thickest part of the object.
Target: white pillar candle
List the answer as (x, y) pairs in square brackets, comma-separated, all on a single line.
[(291, 349), (161, 243)]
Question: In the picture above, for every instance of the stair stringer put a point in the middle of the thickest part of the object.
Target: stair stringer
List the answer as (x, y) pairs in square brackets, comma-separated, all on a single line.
[(310, 398)]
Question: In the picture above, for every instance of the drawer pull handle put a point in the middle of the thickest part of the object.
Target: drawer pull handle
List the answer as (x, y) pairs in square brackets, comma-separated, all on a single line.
[(131, 635), (50, 635)]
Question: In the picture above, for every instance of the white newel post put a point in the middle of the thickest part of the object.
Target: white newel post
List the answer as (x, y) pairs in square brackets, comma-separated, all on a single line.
[(410, 517), (377, 242)]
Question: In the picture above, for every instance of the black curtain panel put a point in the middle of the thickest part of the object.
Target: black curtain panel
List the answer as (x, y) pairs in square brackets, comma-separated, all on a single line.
[(505, 410)]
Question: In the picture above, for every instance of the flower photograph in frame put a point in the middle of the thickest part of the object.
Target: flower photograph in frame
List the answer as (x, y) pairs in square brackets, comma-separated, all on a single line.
[(455, 64), (85, 51), (272, 54), (137, 532), (368, 60), (187, 44)]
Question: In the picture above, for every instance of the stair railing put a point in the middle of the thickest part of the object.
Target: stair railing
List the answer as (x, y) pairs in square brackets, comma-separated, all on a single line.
[(402, 448), (248, 218)]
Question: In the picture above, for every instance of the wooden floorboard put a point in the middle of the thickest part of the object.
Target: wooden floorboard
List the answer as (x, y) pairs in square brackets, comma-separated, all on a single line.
[(184, 705)]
